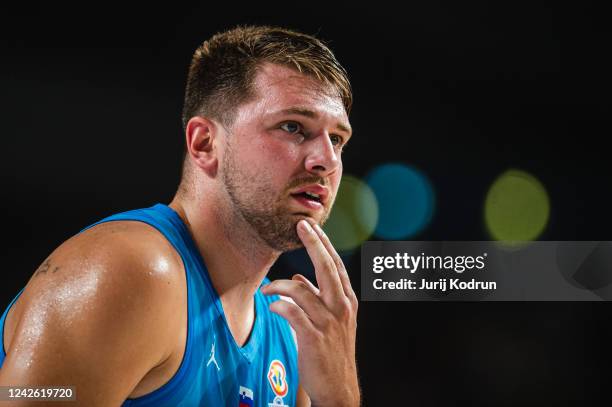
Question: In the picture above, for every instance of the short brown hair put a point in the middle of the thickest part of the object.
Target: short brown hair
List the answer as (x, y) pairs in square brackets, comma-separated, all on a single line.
[(223, 69)]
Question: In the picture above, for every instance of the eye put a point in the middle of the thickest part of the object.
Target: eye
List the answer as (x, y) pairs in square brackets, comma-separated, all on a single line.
[(336, 139), (291, 127), (295, 129)]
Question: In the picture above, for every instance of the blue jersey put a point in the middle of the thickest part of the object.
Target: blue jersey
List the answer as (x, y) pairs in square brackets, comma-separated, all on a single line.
[(215, 371)]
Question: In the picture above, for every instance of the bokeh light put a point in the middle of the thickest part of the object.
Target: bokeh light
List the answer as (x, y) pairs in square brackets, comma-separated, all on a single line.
[(517, 208), (405, 200), (354, 216)]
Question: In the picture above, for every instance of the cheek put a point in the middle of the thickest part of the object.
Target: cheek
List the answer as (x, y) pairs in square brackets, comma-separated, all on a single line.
[(271, 163), (278, 154)]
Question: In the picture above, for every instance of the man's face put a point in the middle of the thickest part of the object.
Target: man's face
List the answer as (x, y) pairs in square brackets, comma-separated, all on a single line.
[(282, 160)]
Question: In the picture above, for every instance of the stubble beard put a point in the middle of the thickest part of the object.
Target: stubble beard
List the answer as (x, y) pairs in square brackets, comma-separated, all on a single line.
[(257, 202)]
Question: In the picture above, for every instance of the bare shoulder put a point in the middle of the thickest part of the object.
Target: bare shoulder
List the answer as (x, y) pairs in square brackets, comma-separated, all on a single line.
[(109, 262), (99, 312)]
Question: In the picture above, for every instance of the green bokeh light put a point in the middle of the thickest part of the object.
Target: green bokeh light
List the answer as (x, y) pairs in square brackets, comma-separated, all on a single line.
[(354, 216), (517, 208)]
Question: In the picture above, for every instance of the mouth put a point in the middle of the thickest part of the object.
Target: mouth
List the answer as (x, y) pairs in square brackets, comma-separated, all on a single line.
[(312, 196), (308, 200)]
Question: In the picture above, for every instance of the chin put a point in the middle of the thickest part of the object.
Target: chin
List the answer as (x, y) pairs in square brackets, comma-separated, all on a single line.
[(318, 219), (281, 234)]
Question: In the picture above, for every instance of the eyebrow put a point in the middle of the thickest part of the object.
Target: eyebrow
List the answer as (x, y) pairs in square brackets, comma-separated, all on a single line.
[(312, 115)]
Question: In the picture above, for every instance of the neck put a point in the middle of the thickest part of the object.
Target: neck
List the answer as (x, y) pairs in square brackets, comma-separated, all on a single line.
[(236, 258)]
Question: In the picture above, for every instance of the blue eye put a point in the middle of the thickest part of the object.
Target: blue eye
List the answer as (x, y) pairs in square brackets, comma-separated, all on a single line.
[(290, 127)]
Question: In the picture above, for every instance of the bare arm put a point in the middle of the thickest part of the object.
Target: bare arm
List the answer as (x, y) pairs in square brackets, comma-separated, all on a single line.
[(302, 399), (94, 316)]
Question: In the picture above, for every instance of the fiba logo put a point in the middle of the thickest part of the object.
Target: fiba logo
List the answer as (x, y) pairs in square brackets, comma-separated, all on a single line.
[(277, 377)]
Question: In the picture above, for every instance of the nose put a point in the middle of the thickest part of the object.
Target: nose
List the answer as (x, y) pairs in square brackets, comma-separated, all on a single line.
[(323, 158)]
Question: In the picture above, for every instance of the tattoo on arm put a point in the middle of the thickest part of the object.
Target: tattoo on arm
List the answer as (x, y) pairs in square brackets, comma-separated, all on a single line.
[(46, 266)]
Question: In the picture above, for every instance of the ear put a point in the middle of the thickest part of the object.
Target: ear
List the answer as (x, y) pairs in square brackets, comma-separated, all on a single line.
[(201, 135)]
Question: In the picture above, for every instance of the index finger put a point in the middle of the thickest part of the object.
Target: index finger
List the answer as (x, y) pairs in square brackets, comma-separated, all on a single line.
[(328, 279), (344, 278)]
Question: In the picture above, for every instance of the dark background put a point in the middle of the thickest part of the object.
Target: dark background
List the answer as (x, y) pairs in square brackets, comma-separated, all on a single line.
[(90, 100)]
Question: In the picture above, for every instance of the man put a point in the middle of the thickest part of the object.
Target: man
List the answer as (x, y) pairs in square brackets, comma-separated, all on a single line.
[(165, 305)]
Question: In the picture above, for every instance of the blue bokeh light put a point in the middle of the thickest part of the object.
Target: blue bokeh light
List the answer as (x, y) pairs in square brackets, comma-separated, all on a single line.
[(405, 200)]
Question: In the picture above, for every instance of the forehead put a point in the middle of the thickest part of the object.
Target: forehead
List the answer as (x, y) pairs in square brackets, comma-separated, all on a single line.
[(278, 87)]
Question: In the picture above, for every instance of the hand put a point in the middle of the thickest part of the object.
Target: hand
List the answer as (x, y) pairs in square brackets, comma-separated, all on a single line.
[(325, 322)]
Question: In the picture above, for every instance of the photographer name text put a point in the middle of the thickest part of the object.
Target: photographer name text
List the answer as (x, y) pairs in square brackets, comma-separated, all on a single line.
[(411, 264)]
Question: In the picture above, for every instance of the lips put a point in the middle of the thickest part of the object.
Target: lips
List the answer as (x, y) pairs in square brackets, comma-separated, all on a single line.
[(311, 196), (313, 192), (307, 202)]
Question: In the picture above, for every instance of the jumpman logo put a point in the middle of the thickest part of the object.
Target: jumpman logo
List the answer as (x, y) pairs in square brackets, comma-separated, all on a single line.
[(212, 357)]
